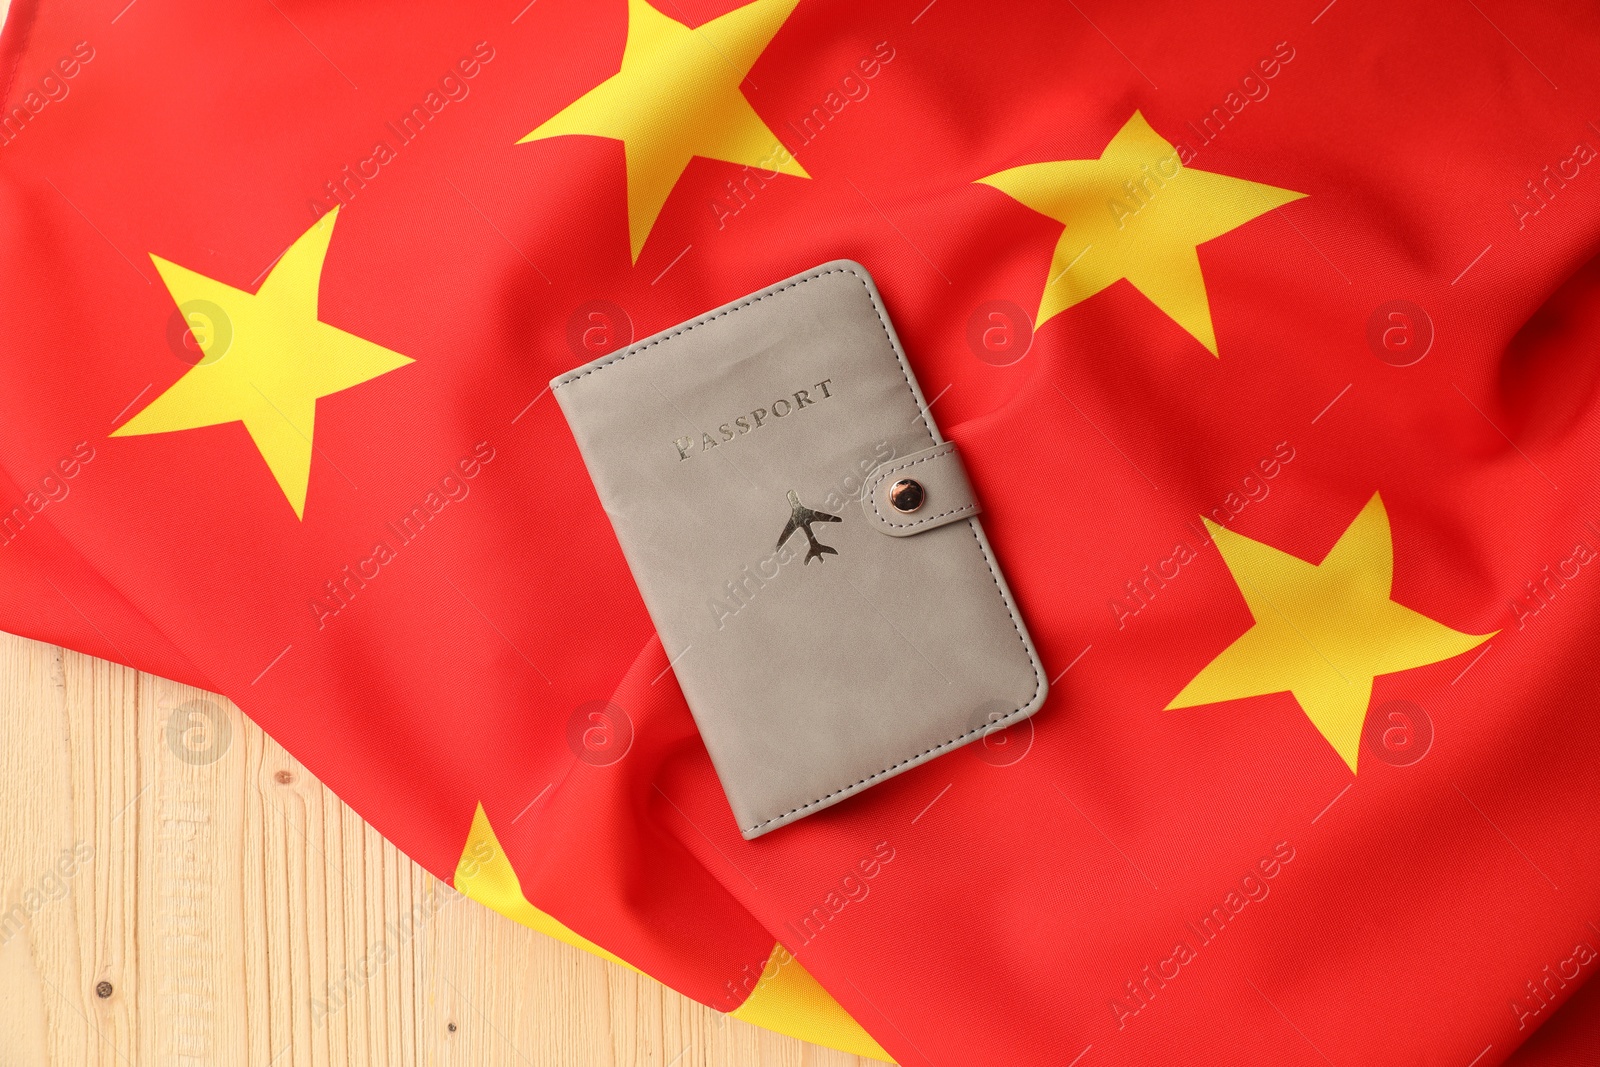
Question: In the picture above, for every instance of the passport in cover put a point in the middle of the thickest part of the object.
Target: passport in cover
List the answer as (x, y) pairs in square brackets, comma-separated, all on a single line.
[(806, 543)]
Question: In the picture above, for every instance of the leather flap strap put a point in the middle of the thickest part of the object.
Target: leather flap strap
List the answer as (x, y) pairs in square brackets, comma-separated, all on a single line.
[(922, 491)]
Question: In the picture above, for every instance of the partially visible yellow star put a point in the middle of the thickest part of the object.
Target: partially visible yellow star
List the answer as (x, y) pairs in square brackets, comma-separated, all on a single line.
[(677, 97), (266, 360), (786, 999), (1137, 213), (1322, 631)]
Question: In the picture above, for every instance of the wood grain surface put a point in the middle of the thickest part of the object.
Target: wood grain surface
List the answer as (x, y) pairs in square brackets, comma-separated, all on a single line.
[(176, 890)]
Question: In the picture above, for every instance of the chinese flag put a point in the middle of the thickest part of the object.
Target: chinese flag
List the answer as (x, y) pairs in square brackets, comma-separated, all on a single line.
[(1266, 331)]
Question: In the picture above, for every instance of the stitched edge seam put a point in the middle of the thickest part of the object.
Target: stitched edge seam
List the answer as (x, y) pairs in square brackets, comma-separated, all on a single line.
[(954, 742), (905, 373), (882, 476), (571, 377)]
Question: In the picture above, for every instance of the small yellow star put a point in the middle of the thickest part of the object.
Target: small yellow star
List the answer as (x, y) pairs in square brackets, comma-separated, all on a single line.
[(1322, 631), (266, 360), (677, 96), (1136, 213)]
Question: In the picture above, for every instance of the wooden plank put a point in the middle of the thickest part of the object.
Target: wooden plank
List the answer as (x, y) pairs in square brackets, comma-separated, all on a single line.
[(157, 841)]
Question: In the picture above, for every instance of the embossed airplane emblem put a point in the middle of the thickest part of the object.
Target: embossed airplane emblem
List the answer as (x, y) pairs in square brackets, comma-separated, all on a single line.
[(801, 518)]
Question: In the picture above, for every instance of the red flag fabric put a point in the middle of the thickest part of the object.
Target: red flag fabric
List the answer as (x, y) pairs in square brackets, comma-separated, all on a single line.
[(1266, 336)]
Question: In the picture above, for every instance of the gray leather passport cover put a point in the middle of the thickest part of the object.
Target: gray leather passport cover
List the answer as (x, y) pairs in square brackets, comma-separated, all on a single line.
[(864, 642)]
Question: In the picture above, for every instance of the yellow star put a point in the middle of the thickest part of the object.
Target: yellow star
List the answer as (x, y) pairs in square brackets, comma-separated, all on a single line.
[(1322, 631), (677, 97), (267, 359), (1137, 213), (786, 999)]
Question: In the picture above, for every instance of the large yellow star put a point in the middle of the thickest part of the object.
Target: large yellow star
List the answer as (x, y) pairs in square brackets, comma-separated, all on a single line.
[(1137, 213), (1322, 631), (677, 96), (266, 360)]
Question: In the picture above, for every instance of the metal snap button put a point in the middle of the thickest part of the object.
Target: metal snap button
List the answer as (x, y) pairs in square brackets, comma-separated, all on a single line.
[(906, 495)]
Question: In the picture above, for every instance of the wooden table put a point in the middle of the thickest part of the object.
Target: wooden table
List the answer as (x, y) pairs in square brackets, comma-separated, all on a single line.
[(176, 890)]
